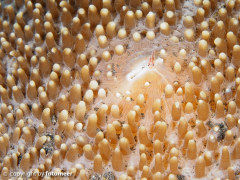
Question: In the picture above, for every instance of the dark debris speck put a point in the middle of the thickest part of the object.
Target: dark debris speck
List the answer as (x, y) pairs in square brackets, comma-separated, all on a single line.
[(109, 176), (54, 119), (19, 159), (48, 146), (222, 130), (95, 177), (181, 177), (210, 124)]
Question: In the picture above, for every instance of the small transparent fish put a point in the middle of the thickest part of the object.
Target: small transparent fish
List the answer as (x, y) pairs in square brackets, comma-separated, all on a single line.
[(151, 60)]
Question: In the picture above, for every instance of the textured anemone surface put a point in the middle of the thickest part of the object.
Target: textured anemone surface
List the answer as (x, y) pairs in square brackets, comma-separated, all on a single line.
[(119, 89)]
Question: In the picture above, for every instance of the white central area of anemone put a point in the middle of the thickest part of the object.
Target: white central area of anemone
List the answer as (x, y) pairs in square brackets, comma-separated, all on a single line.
[(142, 68)]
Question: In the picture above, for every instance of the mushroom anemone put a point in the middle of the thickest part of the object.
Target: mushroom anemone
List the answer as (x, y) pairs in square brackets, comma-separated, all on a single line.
[(119, 89)]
